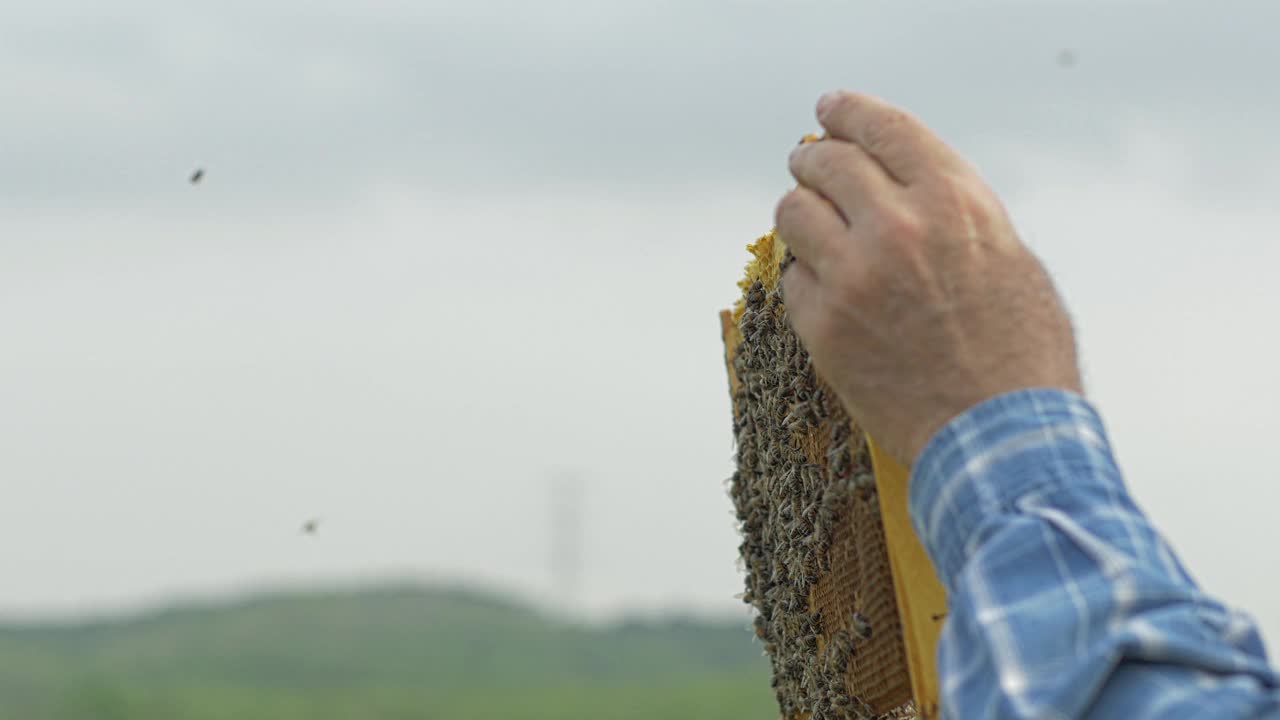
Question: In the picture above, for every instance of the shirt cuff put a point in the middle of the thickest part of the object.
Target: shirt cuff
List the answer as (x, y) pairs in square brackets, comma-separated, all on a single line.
[(973, 472)]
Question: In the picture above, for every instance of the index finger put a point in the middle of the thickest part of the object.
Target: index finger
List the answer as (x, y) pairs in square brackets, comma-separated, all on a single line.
[(901, 143)]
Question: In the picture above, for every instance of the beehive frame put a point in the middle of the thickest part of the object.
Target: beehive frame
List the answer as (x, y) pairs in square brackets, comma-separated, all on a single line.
[(848, 607)]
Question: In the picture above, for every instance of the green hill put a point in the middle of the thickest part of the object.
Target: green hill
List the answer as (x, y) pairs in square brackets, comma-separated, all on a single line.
[(392, 653)]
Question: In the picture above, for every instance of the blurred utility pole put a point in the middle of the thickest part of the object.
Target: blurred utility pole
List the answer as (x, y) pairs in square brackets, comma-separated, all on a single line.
[(566, 493)]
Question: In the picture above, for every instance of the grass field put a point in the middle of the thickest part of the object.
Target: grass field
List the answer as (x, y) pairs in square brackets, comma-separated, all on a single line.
[(391, 653)]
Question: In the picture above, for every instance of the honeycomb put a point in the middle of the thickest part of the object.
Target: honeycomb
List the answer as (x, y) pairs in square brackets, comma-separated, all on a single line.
[(813, 548)]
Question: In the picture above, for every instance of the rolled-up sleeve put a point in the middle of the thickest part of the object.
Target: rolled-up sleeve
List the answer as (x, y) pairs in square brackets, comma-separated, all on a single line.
[(1065, 601)]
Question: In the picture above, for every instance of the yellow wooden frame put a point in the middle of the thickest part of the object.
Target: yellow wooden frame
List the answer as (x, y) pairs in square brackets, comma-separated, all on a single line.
[(922, 600), (920, 596)]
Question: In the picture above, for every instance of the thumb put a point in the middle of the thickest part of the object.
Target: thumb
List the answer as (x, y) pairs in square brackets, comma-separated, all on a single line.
[(800, 296)]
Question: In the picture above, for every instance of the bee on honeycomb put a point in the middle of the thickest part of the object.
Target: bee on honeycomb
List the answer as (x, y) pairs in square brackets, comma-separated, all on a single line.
[(812, 547)]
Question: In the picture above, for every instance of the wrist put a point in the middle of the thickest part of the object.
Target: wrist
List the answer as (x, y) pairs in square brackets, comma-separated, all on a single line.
[(978, 467)]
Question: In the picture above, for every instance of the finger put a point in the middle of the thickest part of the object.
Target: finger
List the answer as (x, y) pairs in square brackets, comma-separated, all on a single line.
[(800, 295), (898, 140), (811, 226), (843, 173)]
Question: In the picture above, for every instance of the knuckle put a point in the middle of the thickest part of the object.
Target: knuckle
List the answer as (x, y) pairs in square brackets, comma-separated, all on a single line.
[(837, 103), (969, 203), (825, 162), (899, 225), (881, 131), (795, 160), (814, 163), (977, 201), (787, 207)]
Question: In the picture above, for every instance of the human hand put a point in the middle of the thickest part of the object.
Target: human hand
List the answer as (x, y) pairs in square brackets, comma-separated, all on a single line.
[(911, 289)]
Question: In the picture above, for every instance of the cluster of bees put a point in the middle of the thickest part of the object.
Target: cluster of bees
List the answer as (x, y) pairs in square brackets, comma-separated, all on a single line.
[(799, 470)]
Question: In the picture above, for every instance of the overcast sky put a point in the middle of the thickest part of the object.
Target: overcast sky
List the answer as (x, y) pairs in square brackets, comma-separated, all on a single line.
[(445, 253)]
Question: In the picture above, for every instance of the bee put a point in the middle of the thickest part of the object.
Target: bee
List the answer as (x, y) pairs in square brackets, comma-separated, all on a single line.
[(311, 526), (809, 679), (832, 504), (799, 528), (197, 176), (839, 650), (810, 641), (840, 437), (838, 462), (798, 384), (795, 667), (768, 456), (789, 483), (860, 624), (775, 343), (811, 567), (820, 539)]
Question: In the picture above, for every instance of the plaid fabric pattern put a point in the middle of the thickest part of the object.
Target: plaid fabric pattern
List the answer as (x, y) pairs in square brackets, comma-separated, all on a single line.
[(1065, 601)]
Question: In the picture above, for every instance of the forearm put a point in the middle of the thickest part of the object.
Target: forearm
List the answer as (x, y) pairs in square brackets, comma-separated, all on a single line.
[(1064, 600)]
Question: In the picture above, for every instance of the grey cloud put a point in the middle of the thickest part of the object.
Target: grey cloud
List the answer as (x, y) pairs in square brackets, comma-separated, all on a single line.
[(432, 230), (290, 104)]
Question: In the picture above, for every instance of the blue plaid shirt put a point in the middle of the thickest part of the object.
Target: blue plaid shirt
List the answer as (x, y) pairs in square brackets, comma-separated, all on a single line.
[(1065, 601)]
